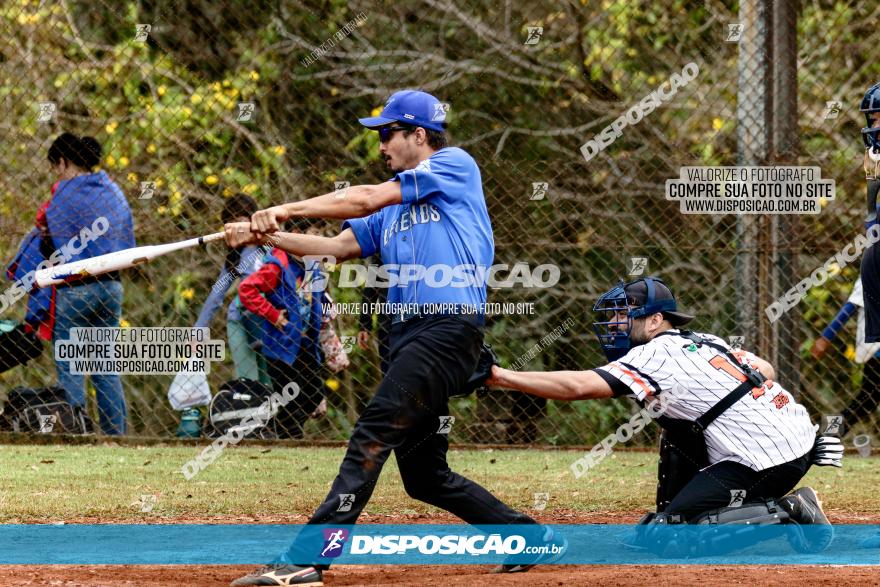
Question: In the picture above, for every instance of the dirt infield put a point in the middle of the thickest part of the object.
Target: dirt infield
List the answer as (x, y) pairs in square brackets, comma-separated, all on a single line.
[(636, 576), (102, 576)]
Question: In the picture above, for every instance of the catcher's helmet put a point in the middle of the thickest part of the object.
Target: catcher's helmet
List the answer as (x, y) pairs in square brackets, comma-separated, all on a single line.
[(621, 304), (871, 104)]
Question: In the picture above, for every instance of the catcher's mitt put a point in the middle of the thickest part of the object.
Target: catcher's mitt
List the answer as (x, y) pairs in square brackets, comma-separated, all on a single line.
[(481, 372)]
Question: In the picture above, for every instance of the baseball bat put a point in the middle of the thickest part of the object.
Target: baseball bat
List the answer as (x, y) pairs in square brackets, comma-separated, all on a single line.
[(114, 261)]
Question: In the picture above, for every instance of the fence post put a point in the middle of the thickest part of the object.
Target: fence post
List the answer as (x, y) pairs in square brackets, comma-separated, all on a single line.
[(787, 331), (753, 114)]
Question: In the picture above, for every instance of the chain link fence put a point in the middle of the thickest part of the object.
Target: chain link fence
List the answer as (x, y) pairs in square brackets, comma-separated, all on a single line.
[(202, 107)]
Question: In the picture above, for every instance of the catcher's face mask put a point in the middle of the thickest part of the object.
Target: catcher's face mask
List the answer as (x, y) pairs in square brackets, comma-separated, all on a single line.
[(616, 311)]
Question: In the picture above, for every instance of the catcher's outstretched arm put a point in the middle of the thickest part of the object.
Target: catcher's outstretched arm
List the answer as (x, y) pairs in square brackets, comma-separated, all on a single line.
[(560, 385)]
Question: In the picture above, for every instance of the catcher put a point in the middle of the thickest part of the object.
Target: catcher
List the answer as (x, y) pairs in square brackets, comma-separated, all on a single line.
[(735, 443)]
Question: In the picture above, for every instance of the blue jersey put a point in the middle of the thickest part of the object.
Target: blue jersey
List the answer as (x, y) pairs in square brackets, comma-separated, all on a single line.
[(78, 203), (438, 242)]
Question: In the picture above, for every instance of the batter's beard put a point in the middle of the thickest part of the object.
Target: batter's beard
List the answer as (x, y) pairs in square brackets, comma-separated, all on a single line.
[(393, 168)]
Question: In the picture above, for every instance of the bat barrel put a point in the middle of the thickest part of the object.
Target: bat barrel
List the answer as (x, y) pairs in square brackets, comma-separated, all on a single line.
[(71, 272)]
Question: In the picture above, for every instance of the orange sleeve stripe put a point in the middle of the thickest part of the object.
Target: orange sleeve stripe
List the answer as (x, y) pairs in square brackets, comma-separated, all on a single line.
[(648, 391)]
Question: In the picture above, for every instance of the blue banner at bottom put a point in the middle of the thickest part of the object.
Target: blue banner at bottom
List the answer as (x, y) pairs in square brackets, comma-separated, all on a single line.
[(429, 544)]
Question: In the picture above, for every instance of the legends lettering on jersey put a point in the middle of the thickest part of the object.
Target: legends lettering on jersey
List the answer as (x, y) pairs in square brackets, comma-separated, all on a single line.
[(417, 214)]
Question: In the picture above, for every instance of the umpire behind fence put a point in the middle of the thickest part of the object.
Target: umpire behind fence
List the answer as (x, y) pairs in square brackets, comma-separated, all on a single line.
[(432, 213), (734, 442)]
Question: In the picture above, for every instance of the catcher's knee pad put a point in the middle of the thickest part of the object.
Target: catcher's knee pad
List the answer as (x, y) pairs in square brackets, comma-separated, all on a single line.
[(679, 462)]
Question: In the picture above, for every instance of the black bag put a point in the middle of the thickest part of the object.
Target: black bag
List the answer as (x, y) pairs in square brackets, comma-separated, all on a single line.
[(242, 407), (43, 410), (17, 347)]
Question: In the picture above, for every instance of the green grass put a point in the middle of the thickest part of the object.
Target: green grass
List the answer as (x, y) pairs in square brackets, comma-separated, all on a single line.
[(52, 483)]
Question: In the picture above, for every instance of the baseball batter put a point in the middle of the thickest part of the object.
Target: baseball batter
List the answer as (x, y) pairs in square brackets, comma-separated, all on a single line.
[(735, 441), (432, 213)]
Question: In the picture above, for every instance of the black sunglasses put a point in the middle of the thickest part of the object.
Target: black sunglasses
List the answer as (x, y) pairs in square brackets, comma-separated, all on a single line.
[(385, 132)]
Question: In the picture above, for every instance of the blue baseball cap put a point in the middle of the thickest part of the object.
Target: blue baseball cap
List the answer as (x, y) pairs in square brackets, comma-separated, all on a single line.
[(411, 107)]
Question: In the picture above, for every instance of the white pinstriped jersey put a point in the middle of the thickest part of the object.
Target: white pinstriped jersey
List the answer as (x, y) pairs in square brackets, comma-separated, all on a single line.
[(765, 428)]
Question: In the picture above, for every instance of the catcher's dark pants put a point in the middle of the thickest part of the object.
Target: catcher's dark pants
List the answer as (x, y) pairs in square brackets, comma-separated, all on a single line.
[(871, 292), (711, 488), (429, 358), (868, 398)]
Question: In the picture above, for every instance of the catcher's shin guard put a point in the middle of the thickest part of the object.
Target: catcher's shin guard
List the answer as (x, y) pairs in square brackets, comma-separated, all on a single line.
[(712, 533), (759, 513), (662, 534), (733, 528)]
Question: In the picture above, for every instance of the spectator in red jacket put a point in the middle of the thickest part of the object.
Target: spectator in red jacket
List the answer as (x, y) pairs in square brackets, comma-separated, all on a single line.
[(280, 293)]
